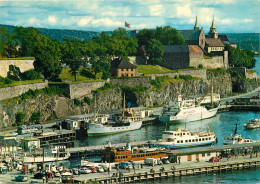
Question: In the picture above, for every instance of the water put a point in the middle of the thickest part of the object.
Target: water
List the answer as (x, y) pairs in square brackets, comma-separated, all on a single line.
[(257, 65)]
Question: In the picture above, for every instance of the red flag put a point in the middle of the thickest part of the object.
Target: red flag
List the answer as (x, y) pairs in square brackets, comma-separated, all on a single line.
[(127, 25)]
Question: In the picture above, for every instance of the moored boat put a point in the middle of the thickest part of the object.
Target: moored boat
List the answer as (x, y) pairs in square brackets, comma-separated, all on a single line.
[(252, 123), (184, 138)]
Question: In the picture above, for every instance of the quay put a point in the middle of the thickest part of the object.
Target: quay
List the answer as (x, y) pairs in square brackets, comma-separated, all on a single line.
[(233, 157)]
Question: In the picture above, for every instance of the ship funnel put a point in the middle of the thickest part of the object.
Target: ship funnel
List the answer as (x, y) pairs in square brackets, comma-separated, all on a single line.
[(128, 147), (179, 98), (109, 144)]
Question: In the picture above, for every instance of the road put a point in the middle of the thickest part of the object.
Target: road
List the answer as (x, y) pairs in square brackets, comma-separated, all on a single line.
[(255, 92)]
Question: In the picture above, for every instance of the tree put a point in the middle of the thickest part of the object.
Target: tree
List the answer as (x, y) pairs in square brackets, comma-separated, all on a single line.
[(7, 44), (240, 58), (72, 56), (166, 35), (101, 64), (47, 58), (14, 73), (35, 118), (19, 119), (154, 51)]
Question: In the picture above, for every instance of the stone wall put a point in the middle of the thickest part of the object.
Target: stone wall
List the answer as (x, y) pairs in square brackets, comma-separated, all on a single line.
[(134, 81), (176, 60), (245, 72), (194, 73), (10, 92), (24, 65), (82, 89), (214, 62)]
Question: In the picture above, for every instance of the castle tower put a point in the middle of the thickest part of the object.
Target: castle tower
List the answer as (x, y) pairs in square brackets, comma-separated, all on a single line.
[(213, 30), (196, 27)]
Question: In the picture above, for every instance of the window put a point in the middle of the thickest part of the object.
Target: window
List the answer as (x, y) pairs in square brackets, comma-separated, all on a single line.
[(208, 154), (132, 75), (132, 69), (203, 154), (178, 141), (189, 140), (122, 69), (127, 69), (186, 140), (183, 133)]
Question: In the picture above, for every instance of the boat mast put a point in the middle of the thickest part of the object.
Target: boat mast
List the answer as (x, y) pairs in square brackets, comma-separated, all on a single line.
[(235, 132), (95, 106), (123, 115), (212, 95)]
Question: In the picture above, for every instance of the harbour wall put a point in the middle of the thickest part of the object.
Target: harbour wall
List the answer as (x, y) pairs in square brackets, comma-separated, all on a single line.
[(10, 92)]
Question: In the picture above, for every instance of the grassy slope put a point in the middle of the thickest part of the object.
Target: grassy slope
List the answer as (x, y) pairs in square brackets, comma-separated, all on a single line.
[(149, 69)]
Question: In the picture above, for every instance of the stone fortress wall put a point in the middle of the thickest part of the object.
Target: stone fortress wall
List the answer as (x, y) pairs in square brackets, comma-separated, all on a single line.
[(23, 64)]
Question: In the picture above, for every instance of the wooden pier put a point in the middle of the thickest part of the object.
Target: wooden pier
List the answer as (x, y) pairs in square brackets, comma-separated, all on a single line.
[(206, 168)]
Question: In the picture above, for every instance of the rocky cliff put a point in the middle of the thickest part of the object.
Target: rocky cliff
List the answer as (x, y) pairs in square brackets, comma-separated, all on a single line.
[(52, 107)]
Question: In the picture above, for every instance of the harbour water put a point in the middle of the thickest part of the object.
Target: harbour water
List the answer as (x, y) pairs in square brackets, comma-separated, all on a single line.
[(222, 124), (257, 65)]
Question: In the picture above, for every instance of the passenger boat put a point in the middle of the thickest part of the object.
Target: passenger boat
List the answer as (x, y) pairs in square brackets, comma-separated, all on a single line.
[(252, 123), (113, 155), (184, 138), (127, 121), (237, 139), (56, 153), (186, 111)]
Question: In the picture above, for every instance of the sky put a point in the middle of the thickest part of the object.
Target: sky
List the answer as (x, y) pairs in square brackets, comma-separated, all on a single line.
[(231, 16)]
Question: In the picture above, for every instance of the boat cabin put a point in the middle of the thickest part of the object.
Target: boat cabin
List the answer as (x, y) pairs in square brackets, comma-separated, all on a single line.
[(114, 155)]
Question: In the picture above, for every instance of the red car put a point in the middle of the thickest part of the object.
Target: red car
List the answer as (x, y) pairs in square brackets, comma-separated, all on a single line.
[(93, 169), (214, 159)]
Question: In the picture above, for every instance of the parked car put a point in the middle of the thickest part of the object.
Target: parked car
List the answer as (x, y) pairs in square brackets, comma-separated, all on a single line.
[(93, 169), (21, 178), (39, 175), (34, 182), (75, 171), (214, 159), (85, 170), (99, 169), (124, 165), (165, 161), (56, 127)]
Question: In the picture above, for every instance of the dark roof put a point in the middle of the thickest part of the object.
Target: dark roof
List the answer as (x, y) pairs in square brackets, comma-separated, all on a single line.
[(190, 34), (211, 42), (175, 48), (195, 49), (122, 64), (224, 38), (9, 142)]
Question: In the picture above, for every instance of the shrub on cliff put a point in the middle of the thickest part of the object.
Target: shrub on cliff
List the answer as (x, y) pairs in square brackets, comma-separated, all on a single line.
[(31, 75), (105, 87), (185, 77), (35, 117), (76, 102), (217, 72), (19, 119), (158, 81), (87, 100), (53, 90)]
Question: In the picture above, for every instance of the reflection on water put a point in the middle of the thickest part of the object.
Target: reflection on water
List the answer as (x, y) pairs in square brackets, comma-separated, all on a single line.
[(223, 124)]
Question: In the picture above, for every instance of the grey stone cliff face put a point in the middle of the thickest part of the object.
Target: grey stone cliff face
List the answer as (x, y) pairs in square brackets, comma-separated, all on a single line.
[(55, 107)]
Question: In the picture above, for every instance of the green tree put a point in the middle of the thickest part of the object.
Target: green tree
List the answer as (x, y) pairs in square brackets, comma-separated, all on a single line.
[(72, 56), (14, 73), (154, 51), (7, 43), (35, 117), (240, 58), (19, 119)]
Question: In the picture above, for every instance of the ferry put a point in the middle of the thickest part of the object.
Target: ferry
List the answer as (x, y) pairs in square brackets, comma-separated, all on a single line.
[(126, 121), (113, 155), (56, 153), (252, 123), (237, 139), (187, 111), (182, 138)]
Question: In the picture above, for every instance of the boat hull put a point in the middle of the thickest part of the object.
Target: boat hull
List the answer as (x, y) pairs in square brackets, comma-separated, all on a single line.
[(100, 130), (176, 146), (46, 159), (190, 115)]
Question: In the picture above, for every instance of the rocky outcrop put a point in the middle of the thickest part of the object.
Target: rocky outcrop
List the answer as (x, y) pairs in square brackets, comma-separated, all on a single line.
[(54, 107)]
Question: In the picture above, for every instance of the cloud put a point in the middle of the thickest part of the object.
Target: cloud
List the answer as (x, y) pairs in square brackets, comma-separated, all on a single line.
[(84, 21), (32, 20), (114, 12), (105, 22), (248, 20), (52, 19), (183, 10), (156, 10)]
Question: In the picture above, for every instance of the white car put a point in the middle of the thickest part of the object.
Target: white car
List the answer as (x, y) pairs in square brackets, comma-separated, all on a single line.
[(99, 169), (85, 170)]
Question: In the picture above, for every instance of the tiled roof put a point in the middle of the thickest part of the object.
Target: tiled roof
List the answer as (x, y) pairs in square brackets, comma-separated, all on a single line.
[(190, 34), (211, 42), (195, 49), (122, 64), (175, 48)]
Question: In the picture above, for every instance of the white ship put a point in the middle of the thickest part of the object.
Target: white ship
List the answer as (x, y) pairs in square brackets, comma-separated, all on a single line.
[(184, 138), (127, 121), (186, 110), (50, 155), (252, 123), (237, 139)]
